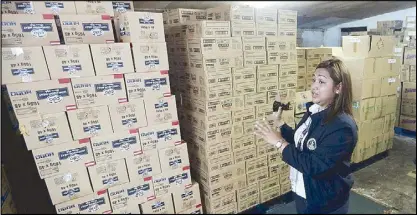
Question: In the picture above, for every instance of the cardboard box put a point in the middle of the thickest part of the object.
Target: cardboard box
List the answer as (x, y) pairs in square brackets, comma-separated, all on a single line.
[(267, 73), (362, 68), (231, 13), (92, 29), (269, 194), (263, 112), (288, 95), (263, 87), (214, 45), (28, 30), (114, 146), (385, 66), (245, 115), (160, 136), (243, 142), (150, 84), (70, 185), (408, 107), (90, 122), (107, 174), (212, 63), (210, 121), (208, 29), (160, 205), (41, 97), (150, 57), (368, 46), (412, 73), (183, 16), (161, 110), (148, 29), (143, 165), (289, 82), (58, 159), (268, 183), (287, 17), (69, 61), (285, 188), (247, 192), (301, 99), (301, 53), (252, 58), (223, 189), (266, 15), (197, 209), (282, 57), (254, 100), (186, 199), (170, 181), (222, 175), (128, 116), (389, 85), (281, 43), (256, 163), (45, 130), (90, 204), (312, 64), (113, 58), (274, 158), (366, 88), (408, 90), (206, 163), (221, 80), (408, 123), (221, 205), (16, 7), (23, 64), (253, 43), (52, 7), (244, 154), (287, 30), (388, 104), (410, 56), (101, 90), (173, 158), (364, 109), (286, 70), (125, 198), (258, 175), (266, 29), (243, 28), (94, 8)]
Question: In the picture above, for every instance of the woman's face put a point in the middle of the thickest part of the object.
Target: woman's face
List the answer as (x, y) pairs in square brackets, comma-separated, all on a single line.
[(323, 89)]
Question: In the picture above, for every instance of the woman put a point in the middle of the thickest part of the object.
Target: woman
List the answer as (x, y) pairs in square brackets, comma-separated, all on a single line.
[(320, 147)]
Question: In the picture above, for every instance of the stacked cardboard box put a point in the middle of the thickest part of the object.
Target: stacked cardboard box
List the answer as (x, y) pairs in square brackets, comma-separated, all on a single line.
[(226, 71), (375, 79), (7, 203), (105, 138)]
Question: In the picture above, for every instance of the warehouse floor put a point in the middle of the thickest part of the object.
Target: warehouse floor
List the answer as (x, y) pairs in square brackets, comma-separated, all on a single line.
[(382, 187)]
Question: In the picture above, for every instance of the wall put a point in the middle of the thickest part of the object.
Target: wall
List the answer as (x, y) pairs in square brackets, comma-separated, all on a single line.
[(332, 36), (312, 37)]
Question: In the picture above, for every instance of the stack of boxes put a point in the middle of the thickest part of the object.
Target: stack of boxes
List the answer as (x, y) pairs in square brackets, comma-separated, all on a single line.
[(98, 116), (226, 72), (375, 78), (7, 203)]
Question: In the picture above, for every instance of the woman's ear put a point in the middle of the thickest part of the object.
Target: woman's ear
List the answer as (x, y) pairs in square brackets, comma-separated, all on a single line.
[(338, 89)]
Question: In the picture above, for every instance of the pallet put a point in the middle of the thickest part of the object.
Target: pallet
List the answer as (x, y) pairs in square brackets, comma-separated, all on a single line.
[(358, 166), (405, 132)]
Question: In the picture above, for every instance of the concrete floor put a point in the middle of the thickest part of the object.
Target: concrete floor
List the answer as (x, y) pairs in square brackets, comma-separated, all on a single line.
[(386, 181)]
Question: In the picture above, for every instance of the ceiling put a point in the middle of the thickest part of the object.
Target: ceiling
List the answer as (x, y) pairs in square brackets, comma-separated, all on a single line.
[(311, 14)]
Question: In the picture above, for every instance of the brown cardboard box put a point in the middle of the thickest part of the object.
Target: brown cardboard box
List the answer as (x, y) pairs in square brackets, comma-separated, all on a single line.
[(197, 209), (69, 185), (389, 85), (210, 121), (287, 17), (224, 189), (222, 205), (289, 82), (211, 163), (115, 58), (243, 28), (301, 85), (366, 88), (212, 135), (244, 115), (161, 110), (378, 108), (266, 29), (223, 175), (41, 97), (263, 111), (258, 175), (28, 30), (285, 188), (143, 165), (286, 70), (114, 146), (263, 148), (125, 198), (58, 159), (254, 164), (231, 13), (97, 91), (150, 57), (248, 192), (408, 107), (253, 43), (252, 58), (271, 182), (244, 154), (186, 199), (312, 63), (368, 46), (282, 57), (287, 30), (90, 29), (277, 169), (301, 99), (54, 7), (288, 95), (169, 181), (160, 205), (208, 29), (281, 43), (284, 177), (389, 104), (248, 203), (120, 7), (45, 130), (274, 158), (362, 68), (214, 45), (255, 100), (183, 16), (90, 122), (173, 158), (269, 194), (94, 7), (160, 136), (69, 61), (408, 90), (265, 86), (128, 116), (412, 73), (17, 7), (219, 81), (363, 109), (301, 53), (107, 174), (150, 84), (388, 66), (268, 73), (243, 142), (302, 66), (266, 15), (90, 204), (410, 56), (212, 63), (149, 28), (25, 64)]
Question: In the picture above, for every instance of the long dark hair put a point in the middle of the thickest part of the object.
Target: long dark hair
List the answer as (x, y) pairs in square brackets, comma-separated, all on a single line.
[(340, 74)]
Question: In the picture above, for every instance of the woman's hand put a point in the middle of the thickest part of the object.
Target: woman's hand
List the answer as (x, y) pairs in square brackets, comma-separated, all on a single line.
[(265, 131)]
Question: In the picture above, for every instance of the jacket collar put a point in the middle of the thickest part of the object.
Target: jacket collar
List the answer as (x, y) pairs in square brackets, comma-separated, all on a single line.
[(321, 116)]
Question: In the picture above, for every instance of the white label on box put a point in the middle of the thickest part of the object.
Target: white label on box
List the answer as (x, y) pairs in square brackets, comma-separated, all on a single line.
[(391, 80), (398, 50), (392, 61), (355, 40)]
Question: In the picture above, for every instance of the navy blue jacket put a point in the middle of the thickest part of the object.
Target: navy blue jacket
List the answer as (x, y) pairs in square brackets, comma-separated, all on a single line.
[(325, 166)]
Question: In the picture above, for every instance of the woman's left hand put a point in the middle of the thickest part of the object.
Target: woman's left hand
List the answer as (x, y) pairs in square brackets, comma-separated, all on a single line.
[(265, 131)]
